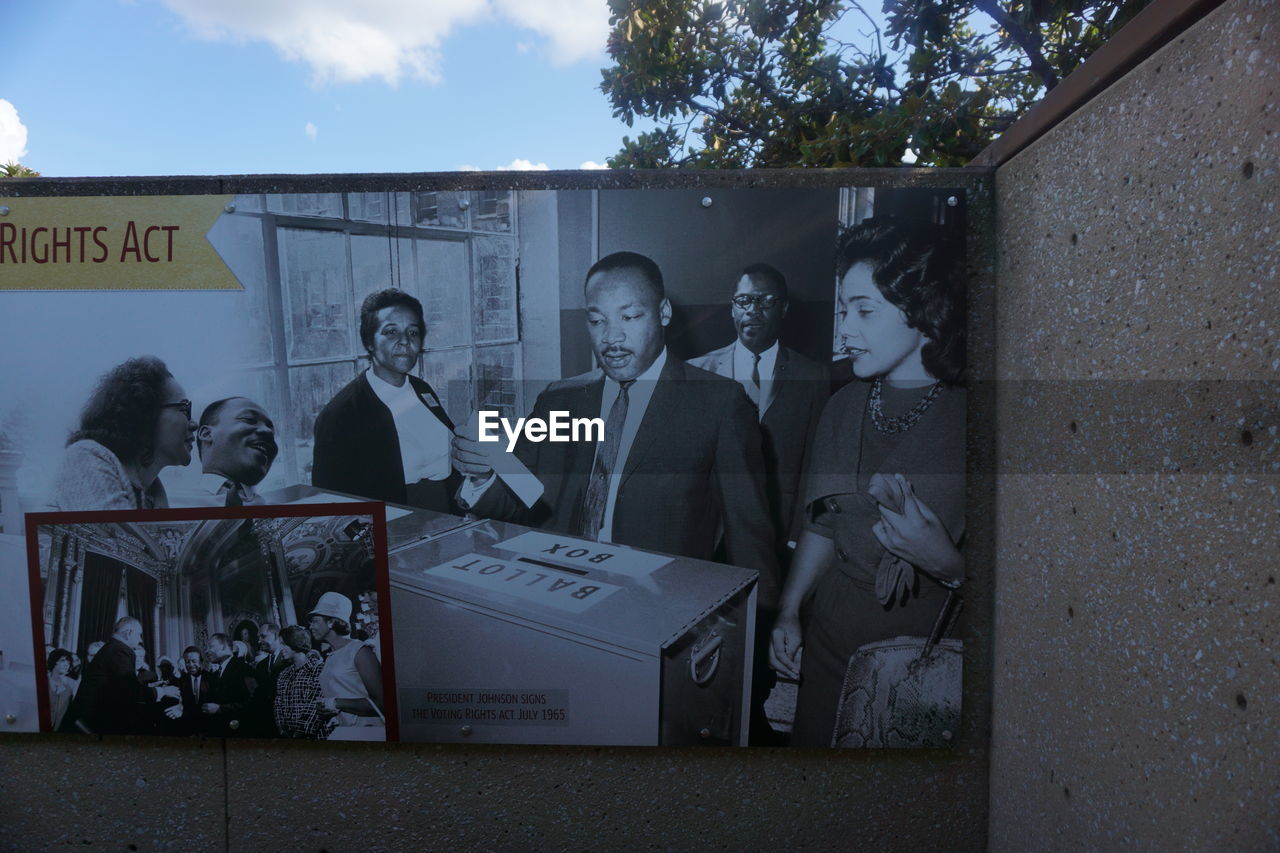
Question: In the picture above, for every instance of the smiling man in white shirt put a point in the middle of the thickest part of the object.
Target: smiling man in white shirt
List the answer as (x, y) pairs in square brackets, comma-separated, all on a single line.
[(236, 440)]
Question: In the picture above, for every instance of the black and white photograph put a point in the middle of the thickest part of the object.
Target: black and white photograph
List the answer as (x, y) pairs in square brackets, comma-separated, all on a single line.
[(660, 467), (185, 624)]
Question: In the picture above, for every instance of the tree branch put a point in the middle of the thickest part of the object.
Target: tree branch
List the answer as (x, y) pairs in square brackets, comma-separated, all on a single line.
[(1029, 43)]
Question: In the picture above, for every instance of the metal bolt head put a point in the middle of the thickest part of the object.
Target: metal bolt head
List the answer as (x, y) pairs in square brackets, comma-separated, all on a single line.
[(466, 731), (234, 725), (946, 734), (706, 201), (464, 203), (705, 734), (952, 201), (4, 210), (10, 719), (230, 208)]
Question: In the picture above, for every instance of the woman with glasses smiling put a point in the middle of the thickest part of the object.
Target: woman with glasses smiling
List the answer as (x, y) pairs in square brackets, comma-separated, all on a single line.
[(136, 422)]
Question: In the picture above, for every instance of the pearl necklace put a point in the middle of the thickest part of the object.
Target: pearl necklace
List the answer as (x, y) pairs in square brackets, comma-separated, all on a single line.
[(890, 425)]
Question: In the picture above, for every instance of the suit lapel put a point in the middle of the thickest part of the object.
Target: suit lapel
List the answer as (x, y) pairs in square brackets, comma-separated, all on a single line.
[(665, 395), (721, 362), (428, 396)]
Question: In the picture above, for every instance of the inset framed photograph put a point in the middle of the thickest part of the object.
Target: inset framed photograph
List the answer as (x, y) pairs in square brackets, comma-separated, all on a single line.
[(262, 622)]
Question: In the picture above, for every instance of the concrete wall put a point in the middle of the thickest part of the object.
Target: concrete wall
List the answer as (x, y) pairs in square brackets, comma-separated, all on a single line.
[(1137, 692)]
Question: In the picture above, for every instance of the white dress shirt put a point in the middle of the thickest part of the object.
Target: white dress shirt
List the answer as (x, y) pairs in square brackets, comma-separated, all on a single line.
[(424, 440), (211, 490), (638, 396)]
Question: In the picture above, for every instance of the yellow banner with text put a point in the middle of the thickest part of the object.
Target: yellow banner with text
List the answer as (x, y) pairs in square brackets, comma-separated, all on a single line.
[(112, 243)]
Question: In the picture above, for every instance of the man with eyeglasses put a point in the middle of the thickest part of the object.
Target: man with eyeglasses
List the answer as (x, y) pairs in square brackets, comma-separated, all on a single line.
[(236, 440), (788, 389)]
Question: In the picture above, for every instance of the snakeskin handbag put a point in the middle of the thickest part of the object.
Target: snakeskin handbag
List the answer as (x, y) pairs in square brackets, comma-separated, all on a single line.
[(904, 692)]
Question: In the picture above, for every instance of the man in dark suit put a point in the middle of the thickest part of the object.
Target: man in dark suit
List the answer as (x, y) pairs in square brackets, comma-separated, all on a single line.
[(231, 687), (789, 392), (193, 687), (680, 462), (385, 435), (111, 695), (266, 671), (788, 389)]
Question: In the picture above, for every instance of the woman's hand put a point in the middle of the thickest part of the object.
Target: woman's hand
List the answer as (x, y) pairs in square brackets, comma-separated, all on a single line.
[(785, 645), (918, 536)]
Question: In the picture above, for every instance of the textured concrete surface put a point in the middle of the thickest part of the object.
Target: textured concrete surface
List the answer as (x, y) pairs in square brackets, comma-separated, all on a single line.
[(84, 793), (388, 797), (1136, 683)]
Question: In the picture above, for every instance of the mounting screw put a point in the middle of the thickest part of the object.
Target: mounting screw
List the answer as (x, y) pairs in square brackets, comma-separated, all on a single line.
[(10, 719), (466, 731), (705, 734), (234, 725), (464, 203), (4, 210), (952, 201), (230, 208), (706, 201)]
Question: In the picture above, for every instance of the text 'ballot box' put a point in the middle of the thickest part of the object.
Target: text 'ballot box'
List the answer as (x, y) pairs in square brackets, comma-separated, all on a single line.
[(509, 635)]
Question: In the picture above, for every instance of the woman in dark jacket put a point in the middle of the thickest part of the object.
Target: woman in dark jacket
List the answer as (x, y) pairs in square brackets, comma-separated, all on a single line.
[(385, 435)]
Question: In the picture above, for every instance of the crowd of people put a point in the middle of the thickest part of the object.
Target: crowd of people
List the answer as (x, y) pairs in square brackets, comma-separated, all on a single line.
[(314, 682)]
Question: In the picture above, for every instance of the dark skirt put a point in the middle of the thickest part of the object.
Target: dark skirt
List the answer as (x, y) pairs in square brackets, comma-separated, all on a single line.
[(845, 615)]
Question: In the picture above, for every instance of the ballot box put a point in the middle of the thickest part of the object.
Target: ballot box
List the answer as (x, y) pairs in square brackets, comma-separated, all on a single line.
[(504, 634)]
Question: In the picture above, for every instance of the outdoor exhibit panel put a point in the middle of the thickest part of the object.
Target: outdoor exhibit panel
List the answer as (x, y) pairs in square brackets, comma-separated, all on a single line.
[(276, 350)]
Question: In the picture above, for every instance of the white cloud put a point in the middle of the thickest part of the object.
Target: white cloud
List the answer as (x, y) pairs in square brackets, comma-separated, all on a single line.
[(13, 134), (577, 28), (311, 130), (467, 168), (592, 164), (351, 40), (521, 165)]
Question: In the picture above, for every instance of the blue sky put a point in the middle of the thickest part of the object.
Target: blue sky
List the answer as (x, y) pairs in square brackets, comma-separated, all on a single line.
[(155, 87)]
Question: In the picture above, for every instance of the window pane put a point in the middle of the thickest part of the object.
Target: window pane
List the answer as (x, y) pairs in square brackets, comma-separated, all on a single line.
[(318, 312), (307, 204), (494, 293), (439, 209), (491, 210), (449, 372), (498, 380), (238, 241), (370, 269), (248, 203), (442, 284), (368, 207), (310, 388)]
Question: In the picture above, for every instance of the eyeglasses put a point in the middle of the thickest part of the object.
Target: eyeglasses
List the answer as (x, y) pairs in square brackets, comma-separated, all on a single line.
[(183, 406), (763, 301)]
